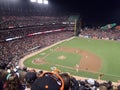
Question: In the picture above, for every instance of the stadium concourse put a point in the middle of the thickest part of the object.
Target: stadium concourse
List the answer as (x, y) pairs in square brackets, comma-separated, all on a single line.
[(20, 36)]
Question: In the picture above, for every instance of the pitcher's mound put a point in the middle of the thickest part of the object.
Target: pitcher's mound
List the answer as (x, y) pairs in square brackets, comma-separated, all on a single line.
[(62, 57)]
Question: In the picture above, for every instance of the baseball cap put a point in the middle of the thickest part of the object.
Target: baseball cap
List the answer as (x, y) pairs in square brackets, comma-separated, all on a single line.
[(48, 81)]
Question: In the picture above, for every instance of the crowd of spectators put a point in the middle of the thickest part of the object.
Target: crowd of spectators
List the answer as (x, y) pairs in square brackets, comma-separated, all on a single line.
[(18, 32), (110, 34), (15, 78), (20, 26), (22, 21), (15, 49)]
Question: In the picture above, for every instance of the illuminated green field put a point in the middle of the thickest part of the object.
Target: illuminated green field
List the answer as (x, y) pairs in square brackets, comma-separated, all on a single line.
[(108, 51)]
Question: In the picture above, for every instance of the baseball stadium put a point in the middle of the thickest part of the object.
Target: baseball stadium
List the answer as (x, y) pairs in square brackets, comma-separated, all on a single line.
[(43, 49)]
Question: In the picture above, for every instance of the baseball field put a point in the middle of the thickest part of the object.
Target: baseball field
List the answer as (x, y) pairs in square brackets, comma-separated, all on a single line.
[(82, 57)]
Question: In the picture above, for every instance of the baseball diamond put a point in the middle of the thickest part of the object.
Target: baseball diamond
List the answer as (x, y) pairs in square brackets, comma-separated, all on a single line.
[(93, 57)]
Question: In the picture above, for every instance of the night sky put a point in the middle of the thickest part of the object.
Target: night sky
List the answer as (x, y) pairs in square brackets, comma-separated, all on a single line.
[(92, 12)]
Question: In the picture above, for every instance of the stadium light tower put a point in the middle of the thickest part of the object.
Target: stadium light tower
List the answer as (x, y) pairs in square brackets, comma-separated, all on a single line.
[(33, 0), (40, 1), (45, 2)]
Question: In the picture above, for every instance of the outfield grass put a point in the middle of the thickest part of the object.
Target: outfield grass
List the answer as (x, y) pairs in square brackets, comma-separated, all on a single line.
[(108, 51)]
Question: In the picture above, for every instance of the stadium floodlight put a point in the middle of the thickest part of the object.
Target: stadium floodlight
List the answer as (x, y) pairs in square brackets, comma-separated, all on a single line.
[(40, 1), (33, 0), (45, 2)]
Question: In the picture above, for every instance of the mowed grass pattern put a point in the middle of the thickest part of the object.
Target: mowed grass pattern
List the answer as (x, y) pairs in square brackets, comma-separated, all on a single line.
[(108, 51)]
